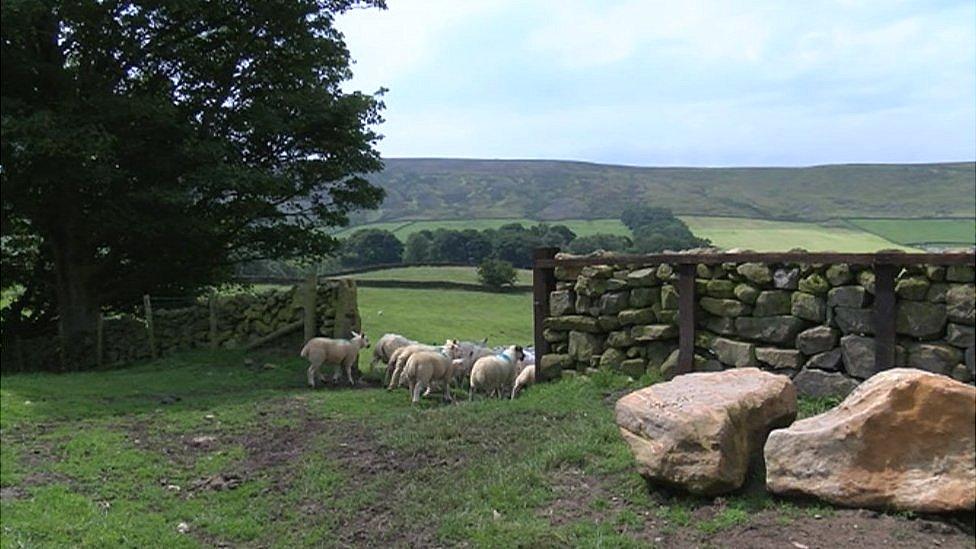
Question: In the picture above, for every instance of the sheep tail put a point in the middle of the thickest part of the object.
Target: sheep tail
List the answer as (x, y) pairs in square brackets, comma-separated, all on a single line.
[(306, 349)]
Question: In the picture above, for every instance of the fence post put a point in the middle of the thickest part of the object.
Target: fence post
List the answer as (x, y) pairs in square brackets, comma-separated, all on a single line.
[(213, 319), (147, 305), (100, 340), (543, 283), (686, 318), (884, 316), (309, 305)]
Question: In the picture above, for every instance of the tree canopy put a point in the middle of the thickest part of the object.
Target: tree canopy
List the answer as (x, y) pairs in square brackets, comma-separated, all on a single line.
[(149, 147)]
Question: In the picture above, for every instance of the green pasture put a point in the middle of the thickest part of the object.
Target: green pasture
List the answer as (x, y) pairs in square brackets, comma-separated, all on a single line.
[(961, 232), (436, 274), (764, 235)]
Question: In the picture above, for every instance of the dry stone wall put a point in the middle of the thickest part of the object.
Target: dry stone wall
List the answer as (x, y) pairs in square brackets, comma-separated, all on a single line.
[(241, 319), (811, 322)]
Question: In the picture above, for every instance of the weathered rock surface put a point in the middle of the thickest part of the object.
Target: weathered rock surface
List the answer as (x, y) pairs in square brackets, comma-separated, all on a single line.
[(858, 355), (772, 303), (698, 431), (847, 296), (562, 303), (583, 345), (757, 273), (854, 321), (734, 353), (818, 383), (827, 360), (808, 307), (572, 322), (904, 440), (920, 318), (816, 340), (637, 316), (654, 332), (746, 293), (961, 303), (935, 357), (724, 307), (960, 335), (781, 330), (786, 279), (779, 358)]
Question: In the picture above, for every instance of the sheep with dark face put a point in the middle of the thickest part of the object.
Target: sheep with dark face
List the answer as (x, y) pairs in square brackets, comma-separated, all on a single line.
[(493, 374), (344, 353)]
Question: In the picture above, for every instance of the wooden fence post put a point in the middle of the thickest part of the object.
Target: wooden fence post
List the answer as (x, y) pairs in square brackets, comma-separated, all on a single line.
[(100, 340), (884, 316), (213, 319), (309, 305), (147, 305), (543, 283), (686, 318)]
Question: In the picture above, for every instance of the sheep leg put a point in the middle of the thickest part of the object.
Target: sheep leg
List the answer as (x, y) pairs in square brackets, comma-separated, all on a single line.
[(313, 372), (349, 373), (416, 390)]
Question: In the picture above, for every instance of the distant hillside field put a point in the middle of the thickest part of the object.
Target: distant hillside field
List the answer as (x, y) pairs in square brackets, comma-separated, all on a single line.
[(429, 189), (436, 274), (582, 227), (961, 232)]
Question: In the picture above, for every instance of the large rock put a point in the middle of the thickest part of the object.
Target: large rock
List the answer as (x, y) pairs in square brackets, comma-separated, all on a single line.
[(719, 325), (961, 303), (920, 318), (620, 339), (699, 431), (669, 297), (818, 383), (724, 289), (814, 284), (643, 277), (839, 274), (904, 440), (644, 297), (913, 287), (781, 330), (772, 303), (724, 307), (816, 340), (612, 358)]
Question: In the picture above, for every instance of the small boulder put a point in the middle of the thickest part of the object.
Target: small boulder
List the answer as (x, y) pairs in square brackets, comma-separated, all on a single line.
[(780, 359), (781, 330), (746, 293), (734, 353), (561, 303), (961, 303), (757, 273), (699, 431), (772, 303), (786, 279), (808, 307), (920, 318), (847, 296), (654, 332), (839, 274), (724, 307), (814, 284), (904, 440), (828, 360)]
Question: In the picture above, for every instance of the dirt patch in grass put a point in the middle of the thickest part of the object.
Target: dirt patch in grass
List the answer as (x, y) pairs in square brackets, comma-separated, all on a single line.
[(583, 497)]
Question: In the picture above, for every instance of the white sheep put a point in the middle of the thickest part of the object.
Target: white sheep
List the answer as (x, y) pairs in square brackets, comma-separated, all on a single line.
[(426, 367), (492, 374), (398, 360), (525, 378), (344, 353), (385, 347)]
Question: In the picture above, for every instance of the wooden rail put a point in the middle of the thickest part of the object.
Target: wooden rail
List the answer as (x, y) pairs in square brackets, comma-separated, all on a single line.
[(885, 266)]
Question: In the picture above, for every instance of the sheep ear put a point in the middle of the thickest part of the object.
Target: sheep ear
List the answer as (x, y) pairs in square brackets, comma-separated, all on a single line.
[(484, 342)]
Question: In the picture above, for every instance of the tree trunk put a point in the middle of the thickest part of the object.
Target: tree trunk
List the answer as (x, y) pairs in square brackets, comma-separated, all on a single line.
[(77, 302)]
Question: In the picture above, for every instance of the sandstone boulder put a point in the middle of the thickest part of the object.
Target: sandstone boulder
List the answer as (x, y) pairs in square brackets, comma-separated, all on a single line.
[(905, 440), (699, 431)]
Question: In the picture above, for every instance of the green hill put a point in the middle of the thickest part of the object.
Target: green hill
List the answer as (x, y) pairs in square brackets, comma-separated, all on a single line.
[(439, 189)]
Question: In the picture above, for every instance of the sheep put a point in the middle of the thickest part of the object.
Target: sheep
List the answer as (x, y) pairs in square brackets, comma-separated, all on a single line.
[(344, 353), (398, 360), (491, 374), (385, 347), (425, 367), (525, 378)]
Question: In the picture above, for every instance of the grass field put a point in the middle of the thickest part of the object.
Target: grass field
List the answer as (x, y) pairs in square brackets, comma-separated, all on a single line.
[(763, 235), (200, 449), (921, 231), (436, 274)]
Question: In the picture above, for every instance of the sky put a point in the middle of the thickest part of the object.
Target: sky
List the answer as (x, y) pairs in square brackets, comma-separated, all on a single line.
[(677, 83)]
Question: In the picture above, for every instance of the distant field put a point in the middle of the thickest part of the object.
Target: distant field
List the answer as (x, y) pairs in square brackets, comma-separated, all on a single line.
[(763, 235), (436, 274), (921, 231), (725, 232)]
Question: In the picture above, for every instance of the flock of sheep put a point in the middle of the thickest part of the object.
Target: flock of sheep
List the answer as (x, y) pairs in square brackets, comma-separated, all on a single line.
[(500, 371)]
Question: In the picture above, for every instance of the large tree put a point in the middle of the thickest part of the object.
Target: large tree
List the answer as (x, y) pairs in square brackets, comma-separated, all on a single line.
[(151, 146)]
